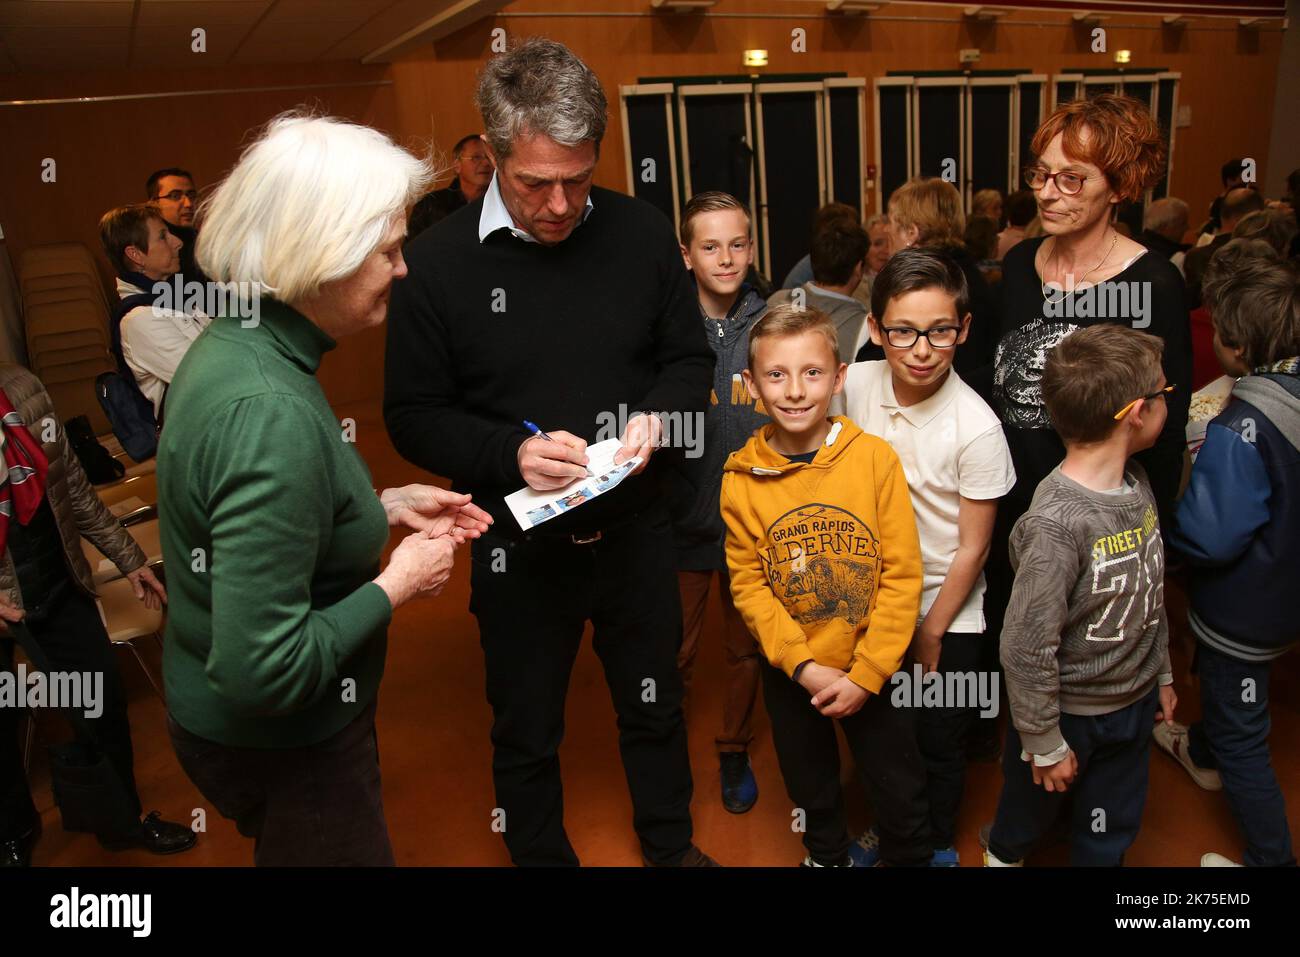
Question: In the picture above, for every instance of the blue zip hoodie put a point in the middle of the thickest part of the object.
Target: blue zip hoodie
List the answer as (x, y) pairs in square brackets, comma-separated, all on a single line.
[(1239, 522)]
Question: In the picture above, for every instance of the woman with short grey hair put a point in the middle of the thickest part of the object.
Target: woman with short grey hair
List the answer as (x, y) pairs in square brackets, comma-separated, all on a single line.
[(271, 529)]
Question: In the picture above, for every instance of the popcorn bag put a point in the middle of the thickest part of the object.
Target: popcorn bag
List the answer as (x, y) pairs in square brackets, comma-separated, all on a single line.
[(1207, 403)]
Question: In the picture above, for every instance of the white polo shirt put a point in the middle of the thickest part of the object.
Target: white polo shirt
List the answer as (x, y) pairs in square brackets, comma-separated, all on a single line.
[(951, 445)]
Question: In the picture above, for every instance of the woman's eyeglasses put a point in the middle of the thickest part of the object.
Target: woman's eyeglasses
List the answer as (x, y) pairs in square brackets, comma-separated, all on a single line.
[(1154, 395), (904, 337), (1068, 183)]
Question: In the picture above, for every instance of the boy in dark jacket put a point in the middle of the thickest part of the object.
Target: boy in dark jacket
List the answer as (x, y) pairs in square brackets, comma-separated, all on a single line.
[(717, 247), (1239, 528)]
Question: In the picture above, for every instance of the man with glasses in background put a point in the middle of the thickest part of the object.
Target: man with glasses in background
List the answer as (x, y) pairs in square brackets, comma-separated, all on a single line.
[(474, 169), (172, 190)]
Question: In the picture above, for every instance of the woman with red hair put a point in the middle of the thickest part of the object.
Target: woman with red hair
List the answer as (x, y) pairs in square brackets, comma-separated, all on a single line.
[(1091, 155)]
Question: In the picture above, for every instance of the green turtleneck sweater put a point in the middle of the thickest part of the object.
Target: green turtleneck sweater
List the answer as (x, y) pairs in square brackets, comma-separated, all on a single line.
[(271, 534)]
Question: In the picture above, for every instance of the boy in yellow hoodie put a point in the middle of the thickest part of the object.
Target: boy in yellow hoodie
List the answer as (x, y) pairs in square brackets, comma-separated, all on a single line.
[(825, 569)]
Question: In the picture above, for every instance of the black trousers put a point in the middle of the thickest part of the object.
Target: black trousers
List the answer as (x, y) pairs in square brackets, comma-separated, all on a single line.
[(315, 806), (942, 732), (531, 612), (73, 639), (998, 577), (882, 739)]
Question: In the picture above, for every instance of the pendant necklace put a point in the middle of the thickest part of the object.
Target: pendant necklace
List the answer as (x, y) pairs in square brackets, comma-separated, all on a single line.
[(1047, 287)]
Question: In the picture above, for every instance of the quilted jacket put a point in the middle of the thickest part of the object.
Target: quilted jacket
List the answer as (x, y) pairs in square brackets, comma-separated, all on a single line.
[(77, 509)]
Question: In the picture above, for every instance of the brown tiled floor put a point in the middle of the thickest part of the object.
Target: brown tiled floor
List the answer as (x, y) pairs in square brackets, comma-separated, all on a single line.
[(433, 727)]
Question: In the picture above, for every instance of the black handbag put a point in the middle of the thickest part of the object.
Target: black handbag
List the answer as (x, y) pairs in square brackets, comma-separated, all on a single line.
[(100, 467), (87, 788)]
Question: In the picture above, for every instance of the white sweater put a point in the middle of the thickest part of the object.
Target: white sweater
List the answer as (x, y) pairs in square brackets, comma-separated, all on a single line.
[(154, 342)]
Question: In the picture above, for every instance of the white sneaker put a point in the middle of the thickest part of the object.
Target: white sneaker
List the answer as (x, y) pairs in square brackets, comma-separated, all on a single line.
[(809, 862), (1218, 860), (1172, 739)]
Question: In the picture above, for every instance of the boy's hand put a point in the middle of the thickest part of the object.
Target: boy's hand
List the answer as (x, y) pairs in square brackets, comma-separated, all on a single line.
[(1056, 777), (814, 677), (925, 649), (1168, 702), (841, 699)]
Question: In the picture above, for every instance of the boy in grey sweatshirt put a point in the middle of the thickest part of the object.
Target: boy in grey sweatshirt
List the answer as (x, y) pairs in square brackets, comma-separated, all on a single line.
[(1085, 644)]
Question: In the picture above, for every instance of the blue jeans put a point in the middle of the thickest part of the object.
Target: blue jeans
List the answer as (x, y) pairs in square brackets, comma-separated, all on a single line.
[(1109, 791), (1232, 736)]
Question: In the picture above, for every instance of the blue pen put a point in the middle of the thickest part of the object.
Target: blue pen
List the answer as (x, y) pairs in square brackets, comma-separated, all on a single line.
[(536, 431)]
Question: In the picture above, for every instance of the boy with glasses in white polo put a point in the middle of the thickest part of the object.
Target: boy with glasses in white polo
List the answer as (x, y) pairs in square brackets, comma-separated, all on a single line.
[(957, 464)]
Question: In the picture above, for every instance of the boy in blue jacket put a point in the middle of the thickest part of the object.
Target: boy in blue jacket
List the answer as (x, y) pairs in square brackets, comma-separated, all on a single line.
[(1239, 529)]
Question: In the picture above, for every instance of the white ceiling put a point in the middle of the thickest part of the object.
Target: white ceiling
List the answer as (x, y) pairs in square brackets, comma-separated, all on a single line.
[(112, 34)]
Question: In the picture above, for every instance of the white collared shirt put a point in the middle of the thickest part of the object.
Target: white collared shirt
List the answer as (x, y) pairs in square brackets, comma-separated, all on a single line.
[(951, 446), (495, 216)]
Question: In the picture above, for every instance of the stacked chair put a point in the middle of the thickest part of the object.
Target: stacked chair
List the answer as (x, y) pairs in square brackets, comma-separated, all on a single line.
[(66, 316), (66, 312), (134, 500)]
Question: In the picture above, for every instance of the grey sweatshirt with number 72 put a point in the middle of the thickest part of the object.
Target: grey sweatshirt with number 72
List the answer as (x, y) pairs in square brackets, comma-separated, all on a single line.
[(1085, 631)]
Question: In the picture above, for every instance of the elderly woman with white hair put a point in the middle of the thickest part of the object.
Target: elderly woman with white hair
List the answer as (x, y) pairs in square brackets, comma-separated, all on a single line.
[(271, 529)]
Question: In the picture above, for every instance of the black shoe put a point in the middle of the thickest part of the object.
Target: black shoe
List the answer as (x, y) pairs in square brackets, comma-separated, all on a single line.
[(15, 853), (18, 852), (739, 788), (156, 836), (693, 857)]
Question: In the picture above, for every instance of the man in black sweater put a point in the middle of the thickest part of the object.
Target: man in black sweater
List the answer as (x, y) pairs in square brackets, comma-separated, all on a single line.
[(552, 301)]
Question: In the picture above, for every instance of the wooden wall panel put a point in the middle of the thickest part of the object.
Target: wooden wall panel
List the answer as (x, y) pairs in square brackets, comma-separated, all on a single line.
[(1228, 74), (104, 150)]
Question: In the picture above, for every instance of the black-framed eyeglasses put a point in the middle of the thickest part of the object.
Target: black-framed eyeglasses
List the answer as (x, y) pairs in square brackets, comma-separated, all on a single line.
[(1068, 183), (1154, 395), (177, 194), (904, 337)]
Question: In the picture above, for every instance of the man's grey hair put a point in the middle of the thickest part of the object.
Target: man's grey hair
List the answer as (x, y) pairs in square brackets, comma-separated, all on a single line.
[(1164, 214), (540, 87)]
